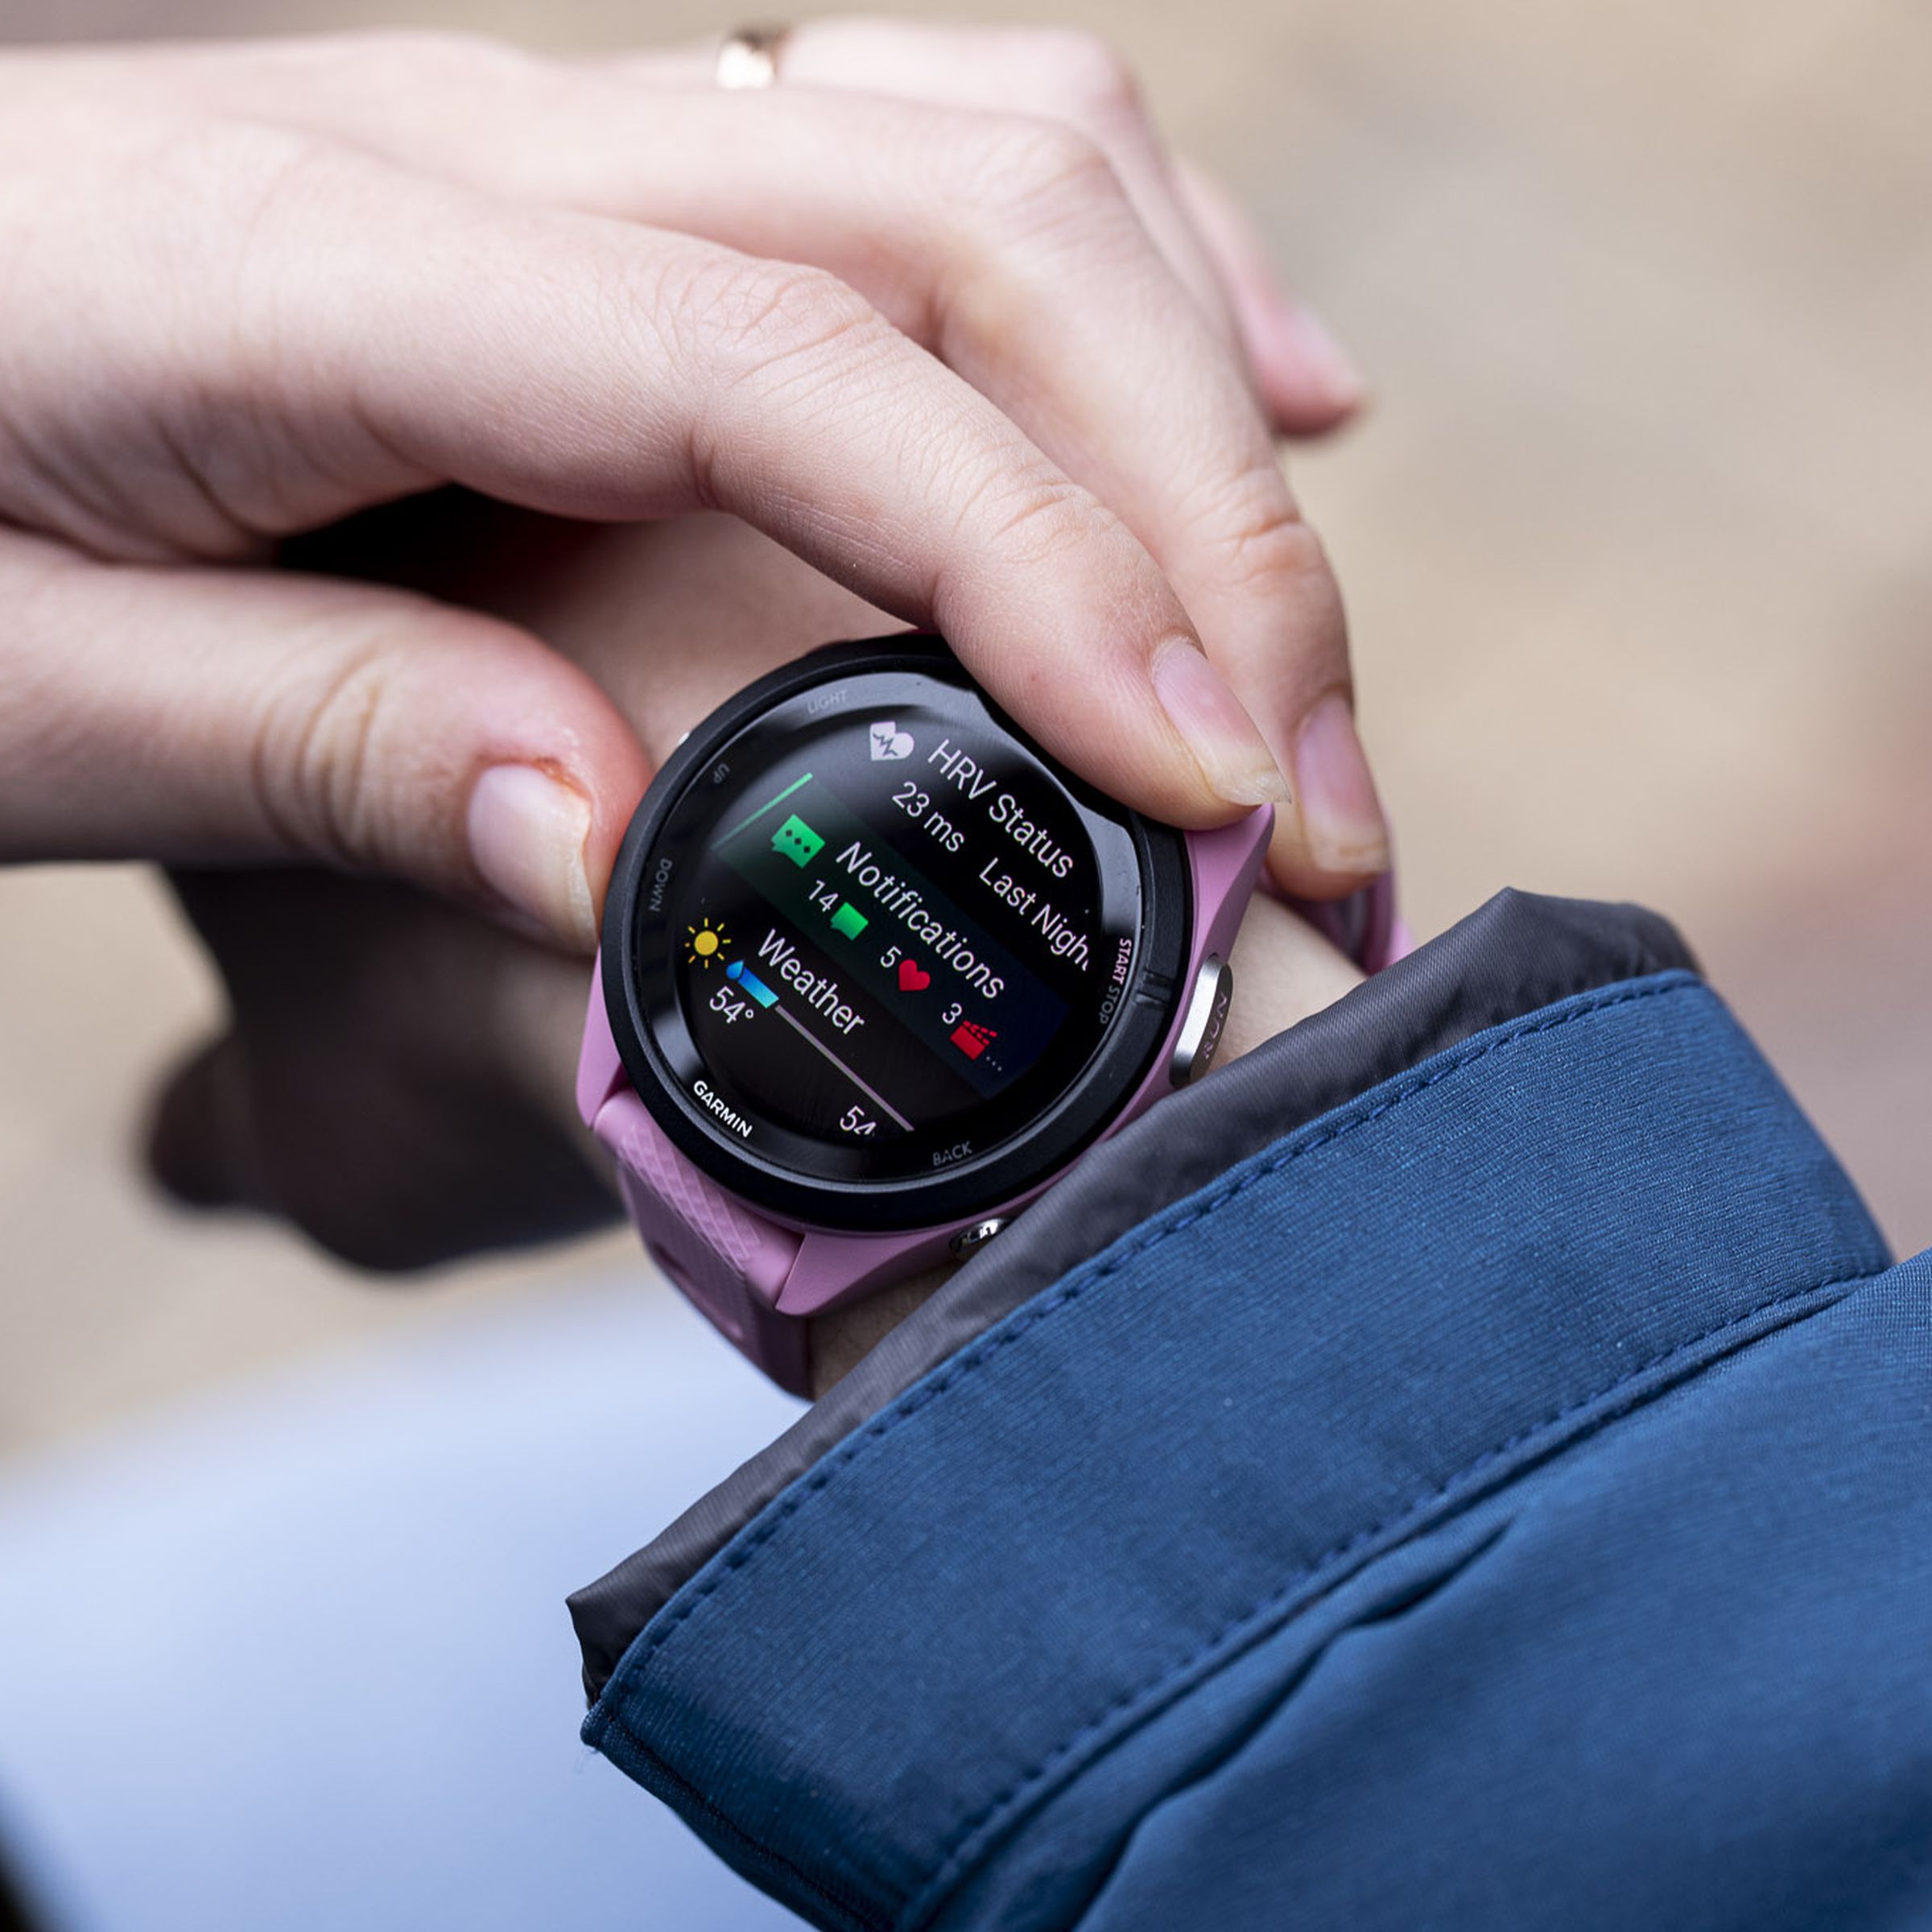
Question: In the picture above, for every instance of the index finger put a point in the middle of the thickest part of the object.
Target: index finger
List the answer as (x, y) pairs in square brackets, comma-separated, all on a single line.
[(398, 332)]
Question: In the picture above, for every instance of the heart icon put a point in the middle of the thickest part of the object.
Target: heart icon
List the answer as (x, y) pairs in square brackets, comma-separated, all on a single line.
[(911, 979)]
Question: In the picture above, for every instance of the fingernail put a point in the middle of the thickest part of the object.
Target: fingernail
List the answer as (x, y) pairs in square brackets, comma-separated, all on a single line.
[(1322, 356), (1341, 816), (527, 834), (1233, 756)]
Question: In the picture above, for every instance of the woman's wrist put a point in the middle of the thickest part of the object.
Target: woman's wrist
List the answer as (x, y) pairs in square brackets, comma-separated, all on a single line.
[(1284, 972)]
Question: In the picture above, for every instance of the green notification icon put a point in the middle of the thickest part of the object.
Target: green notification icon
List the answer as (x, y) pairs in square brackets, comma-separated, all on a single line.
[(796, 840)]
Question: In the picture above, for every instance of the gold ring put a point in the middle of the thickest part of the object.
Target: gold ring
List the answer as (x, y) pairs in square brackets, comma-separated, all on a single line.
[(750, 56)]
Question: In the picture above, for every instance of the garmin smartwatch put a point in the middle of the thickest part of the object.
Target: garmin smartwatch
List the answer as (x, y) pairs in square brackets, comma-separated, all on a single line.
[(875, 970)]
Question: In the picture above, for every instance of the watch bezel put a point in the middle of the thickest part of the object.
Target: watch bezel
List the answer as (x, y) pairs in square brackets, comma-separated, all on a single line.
[(1079, 1113)]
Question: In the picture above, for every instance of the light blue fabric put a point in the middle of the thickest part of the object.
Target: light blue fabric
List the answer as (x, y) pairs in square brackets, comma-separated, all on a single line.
[(299, 1659), (1505, 1502)]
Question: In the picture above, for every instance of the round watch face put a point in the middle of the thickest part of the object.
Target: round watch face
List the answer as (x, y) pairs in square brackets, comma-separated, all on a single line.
[(872, 959)]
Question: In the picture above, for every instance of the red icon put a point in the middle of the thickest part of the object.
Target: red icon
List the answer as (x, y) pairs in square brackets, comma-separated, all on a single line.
[(972, 1039), (911, 978)]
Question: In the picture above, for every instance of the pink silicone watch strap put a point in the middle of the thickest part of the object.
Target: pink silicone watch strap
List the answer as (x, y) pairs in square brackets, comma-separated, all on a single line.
[(732, 1263)]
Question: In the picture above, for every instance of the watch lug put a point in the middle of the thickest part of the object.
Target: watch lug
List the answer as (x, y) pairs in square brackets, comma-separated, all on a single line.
[(832, 1268), (600, 1069), (1226, 866)]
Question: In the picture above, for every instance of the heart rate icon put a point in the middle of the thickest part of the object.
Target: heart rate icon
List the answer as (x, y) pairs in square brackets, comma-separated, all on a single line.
[(912, 979), (888, 741)]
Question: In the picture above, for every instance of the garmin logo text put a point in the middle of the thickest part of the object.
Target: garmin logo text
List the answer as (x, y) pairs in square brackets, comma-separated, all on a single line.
[(730, 1116)]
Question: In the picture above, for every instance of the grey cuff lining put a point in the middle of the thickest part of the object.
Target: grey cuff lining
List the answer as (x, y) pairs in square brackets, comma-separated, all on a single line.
[(1518, 953)]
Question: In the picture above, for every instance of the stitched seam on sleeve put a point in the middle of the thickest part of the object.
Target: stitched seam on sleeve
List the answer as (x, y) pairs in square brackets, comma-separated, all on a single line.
[(1089, 1275), (988, 1821), (960, 1849)]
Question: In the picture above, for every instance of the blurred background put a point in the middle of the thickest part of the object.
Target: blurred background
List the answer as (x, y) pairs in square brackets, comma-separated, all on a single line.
[(1638, 540)]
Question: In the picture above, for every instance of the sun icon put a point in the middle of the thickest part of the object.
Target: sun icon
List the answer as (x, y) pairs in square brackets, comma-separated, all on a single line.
[(707, 942)]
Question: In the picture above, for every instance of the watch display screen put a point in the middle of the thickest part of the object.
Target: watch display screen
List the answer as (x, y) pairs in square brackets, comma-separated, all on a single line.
[(876, 933)]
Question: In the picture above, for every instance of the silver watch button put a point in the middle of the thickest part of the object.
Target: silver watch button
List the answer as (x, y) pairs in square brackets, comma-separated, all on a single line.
[(1207, 1015), (970, 1239)]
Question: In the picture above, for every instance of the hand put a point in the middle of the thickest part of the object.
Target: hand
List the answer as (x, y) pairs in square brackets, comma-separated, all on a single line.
[(397, 1079), (253, 289)]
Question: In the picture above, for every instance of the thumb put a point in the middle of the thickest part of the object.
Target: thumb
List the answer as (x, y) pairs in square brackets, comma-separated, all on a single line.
[(216, 716)]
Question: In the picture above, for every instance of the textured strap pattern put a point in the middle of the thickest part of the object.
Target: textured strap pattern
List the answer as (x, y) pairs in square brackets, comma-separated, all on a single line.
[(731, 1261)]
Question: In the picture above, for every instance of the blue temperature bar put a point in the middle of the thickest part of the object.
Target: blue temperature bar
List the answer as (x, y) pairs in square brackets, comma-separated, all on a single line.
[(753, 985)]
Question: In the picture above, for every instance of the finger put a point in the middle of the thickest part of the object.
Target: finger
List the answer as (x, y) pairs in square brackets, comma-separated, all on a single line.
[(398, 331), (671, 619), (1074, 79), (446, 102), (1011, 247), (1302, 374), (1308, 381), (1022, 262), (224, 716)]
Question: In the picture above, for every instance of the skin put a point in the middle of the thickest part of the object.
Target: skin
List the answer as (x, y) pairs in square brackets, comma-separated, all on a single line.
[(403, 438), (397, 1076), (938, 317)]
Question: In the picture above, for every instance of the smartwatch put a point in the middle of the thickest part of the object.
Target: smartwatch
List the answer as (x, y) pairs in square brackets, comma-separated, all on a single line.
[(875, 970)]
